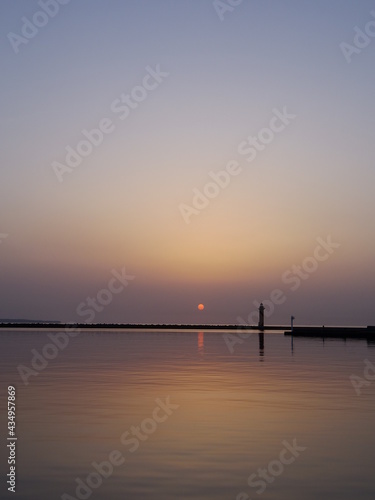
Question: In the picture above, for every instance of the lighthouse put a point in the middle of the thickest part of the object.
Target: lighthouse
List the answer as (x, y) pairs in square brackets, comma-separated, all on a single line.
[(261, 317)]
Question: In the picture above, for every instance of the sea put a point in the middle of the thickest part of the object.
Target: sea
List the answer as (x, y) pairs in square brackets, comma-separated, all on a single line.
[(186, 414)]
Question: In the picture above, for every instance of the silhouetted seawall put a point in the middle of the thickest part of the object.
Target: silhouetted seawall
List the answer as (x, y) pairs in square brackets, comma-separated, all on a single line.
[(332, 332)]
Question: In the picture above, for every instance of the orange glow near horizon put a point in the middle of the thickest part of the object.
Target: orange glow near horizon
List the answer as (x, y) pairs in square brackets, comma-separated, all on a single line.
[(201, 307)]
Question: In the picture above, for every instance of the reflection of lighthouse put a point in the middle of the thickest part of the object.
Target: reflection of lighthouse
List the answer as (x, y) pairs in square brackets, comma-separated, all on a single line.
[(261, 346), (261, 317)]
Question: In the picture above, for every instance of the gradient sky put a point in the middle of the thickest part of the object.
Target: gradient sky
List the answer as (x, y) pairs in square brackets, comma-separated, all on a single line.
[(120, 206)]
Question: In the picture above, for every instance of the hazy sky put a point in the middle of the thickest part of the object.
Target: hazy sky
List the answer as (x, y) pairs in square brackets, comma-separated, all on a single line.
[(184, 89)]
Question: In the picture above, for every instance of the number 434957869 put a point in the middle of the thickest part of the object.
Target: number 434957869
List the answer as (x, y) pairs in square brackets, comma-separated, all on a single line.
[(11, 409)]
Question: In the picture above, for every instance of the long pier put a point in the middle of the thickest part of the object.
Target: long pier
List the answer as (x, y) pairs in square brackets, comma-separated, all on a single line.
[(133, 326), (333, 332), (298, 331)]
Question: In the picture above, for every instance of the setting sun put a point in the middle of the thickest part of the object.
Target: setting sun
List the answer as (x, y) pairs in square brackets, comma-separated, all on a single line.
[(201, 307)]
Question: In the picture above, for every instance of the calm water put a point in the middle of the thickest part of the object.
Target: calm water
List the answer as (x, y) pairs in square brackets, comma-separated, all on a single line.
[(237, 414)]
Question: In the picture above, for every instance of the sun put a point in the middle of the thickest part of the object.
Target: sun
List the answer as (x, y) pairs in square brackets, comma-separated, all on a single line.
[(201, 307)]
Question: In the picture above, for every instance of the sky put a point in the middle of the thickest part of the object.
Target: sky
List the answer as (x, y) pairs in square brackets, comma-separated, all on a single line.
[(215, 152)]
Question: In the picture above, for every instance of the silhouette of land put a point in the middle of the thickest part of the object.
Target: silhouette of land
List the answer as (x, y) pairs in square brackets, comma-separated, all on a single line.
[(332, 332), (27, 321)]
